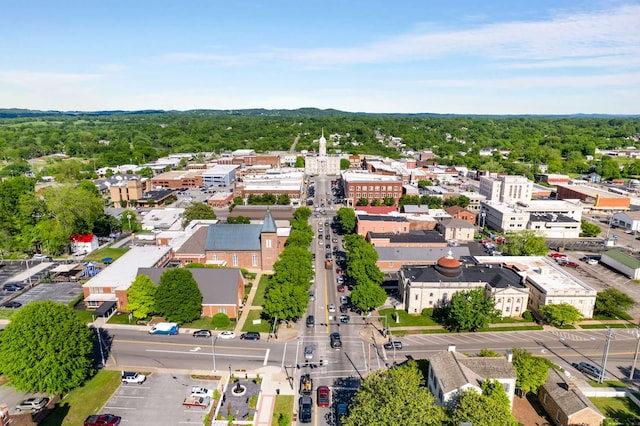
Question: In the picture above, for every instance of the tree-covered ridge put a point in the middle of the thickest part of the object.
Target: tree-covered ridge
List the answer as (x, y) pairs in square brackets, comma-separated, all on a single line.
[(118, 138)]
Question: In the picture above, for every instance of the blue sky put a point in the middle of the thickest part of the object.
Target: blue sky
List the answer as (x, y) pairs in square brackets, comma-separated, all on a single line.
[(465, 57)]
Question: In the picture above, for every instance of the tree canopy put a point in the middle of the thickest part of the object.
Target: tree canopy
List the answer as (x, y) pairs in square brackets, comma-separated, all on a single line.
[(589, 229), (559, 314), (346, 220), (46, 348), (482, 410), (531, 371), (524, 243), (613, 303), (141, 297), (196, 211), (178, 298), (396, 396), (470, 310)]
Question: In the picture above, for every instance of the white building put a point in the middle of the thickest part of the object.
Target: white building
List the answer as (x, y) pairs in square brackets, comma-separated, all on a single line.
[(548, 282), (627, 220), (508, 189), (322, 164), (219, 175), (622, 262)]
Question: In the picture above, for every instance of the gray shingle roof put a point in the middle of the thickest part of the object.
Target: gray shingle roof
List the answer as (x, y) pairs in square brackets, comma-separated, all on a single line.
[(570, 399), (418, 236), (456, 223), (425, 254), (455, 370), (217, 285), (233, 237), (195, 243)]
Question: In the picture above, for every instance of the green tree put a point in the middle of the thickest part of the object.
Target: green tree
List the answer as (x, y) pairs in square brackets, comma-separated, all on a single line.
[(368, 295), (283, 200), (424, 183), (559, 314), (238, 201), (362, 202), (221, 320), (471, 310), (524, 243), (613, 303), (344, 164), (589, 229), (286, 301), (299, 162), (389, 201), (46, 348), (488, 353), (531, 371), (397, 396), (129, 221), (238, 220), (141, 297), (347, 220), (462, 201), (495, 390), (197, 211), (481, 410), (178, 298), (146, 172), (302, 213)]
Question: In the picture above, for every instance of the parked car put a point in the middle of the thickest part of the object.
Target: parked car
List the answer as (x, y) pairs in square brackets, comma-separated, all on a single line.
[(344, 309), (340, 288), (102, 420), (570, 264), (133, 377), (344, 299), (12, 305), (394, 344), (312, 296), (344, 319), (12, 287), (200, 391), (32, 404), (250, 335), (589, 369), (557, 255), (324, 396), (202, 333), (227, 335)]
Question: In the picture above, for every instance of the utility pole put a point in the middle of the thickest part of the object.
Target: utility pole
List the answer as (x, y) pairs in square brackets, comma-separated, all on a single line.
[(635, 358), (605, 355)]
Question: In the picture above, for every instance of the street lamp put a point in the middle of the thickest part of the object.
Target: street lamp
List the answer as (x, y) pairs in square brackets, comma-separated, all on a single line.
[(129, 219), (635, 358)]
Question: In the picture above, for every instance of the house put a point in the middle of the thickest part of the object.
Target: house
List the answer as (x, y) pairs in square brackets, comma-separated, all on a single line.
[(458, 212), (250, 246), (222, 288), (84, 244), (565, 403), (451, 372), (626, 220), (456, 229)]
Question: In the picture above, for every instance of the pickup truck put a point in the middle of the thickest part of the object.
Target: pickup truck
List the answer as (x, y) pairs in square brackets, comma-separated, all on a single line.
[(133, 377), (197, 401), (200, 391), (102, 420), (306, 385)]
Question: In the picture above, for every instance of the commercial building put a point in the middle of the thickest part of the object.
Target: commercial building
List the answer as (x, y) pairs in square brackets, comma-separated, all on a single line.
[(392, 258), (506, 189), (627, 220), (458, 212), (177, 179), (124, 191), (433, 286), (366, 223), (594, 199), (456, 229), (548, 283), (219, 175), (363, 184), (276, 182)]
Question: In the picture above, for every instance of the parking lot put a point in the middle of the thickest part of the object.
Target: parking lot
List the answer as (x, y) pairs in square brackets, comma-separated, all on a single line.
[(158, 401)]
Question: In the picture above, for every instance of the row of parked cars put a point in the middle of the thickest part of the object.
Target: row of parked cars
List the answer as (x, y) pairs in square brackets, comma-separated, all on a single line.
[(249, 335)]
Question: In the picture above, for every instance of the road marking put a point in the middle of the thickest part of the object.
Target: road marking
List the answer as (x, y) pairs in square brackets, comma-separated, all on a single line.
[(203, 353), (107, 407), (266, 357), (141, 342), (195, 349), (131, 397)]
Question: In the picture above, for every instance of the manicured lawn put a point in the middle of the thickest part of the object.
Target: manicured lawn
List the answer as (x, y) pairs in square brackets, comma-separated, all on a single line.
[(607, 384), (284, 407), (85, 400), (406, 320), (515, 328), (617, 408), (205, 323), (263, 327), (595, 326), (84, 315), (258, 299), (567, 327), (113, 253)]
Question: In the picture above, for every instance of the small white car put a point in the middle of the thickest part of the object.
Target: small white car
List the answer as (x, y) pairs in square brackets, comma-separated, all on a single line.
[(131, 377), (331, 307), (200, 391), (227, 335)]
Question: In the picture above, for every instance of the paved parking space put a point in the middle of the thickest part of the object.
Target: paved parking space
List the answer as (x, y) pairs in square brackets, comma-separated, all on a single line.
[(58, 292), (158, 401)]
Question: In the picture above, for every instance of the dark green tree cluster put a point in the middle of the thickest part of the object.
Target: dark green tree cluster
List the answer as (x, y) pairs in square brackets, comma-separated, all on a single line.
[(559, 314), (197, 211), (176, 298), (470, 310), (268, 200), (462, 201), (431, 201), (346, 218), (589, 229), (531, 371), (238, 220), (288, 293), (367, 293), (46, 348), (524, 243), (489, 408), (613, 303)]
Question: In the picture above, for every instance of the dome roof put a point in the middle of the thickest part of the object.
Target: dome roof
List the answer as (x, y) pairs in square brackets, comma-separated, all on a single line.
[(448, 265)]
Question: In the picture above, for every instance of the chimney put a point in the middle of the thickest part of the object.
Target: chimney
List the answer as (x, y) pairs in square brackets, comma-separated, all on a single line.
[(509, 355), (451, 348)]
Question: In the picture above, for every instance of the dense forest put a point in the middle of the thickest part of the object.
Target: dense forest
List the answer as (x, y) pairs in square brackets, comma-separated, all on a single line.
[(117, 137)]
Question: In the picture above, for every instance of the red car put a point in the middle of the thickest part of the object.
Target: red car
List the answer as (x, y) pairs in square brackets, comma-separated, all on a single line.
[(340, 288), (339, 271), (570, 264), (102, 420), (557, 255), (324, 396)]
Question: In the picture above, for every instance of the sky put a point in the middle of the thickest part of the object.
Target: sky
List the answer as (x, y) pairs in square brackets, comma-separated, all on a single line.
[(384, 56)]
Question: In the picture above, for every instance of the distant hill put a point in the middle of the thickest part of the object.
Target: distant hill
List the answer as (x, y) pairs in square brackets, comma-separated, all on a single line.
[(300, 112)]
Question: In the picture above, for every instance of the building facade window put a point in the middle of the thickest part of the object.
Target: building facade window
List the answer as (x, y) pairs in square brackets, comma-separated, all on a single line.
[(234, 259), (254, 260)]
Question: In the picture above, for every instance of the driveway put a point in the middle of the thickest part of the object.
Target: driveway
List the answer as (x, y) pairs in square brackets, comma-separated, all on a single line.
[(158, 401)]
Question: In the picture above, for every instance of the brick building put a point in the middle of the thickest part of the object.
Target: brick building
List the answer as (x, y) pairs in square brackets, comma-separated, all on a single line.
[(362, 184), (458, 212), (177, 179), (595, 198), (124, 191)]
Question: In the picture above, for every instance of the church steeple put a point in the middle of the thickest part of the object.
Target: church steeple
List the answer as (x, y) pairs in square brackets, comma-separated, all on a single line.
[(323, 145)]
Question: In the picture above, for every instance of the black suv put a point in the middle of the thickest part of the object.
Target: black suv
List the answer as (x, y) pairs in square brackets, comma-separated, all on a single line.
[(310, 321), (304, 409), (336, 343), (250, 335)]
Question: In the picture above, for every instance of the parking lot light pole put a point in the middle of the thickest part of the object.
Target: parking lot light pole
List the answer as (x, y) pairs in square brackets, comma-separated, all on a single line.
[(635, 358), (213, 351)]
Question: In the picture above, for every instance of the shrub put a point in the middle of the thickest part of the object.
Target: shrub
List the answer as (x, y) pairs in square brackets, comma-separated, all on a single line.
[(427, 312), (283, 420), (221, 320), (527, 315)]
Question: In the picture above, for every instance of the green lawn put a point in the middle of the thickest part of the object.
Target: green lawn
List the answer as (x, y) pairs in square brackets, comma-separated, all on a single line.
[(617, 408), (284, 407), (607, 384), (594, 326), (113, 253), (206, 323), (84, 401), (258, 299), (406, 320), (263, 327), (84, 315)]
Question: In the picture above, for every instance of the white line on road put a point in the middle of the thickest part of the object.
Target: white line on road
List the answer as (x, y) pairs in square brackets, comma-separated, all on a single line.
[(131, 397), (107, 407), (218, 354), (266, 357)]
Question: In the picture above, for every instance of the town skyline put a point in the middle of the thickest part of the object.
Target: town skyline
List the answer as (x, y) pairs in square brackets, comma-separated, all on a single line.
[(455, 58)]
